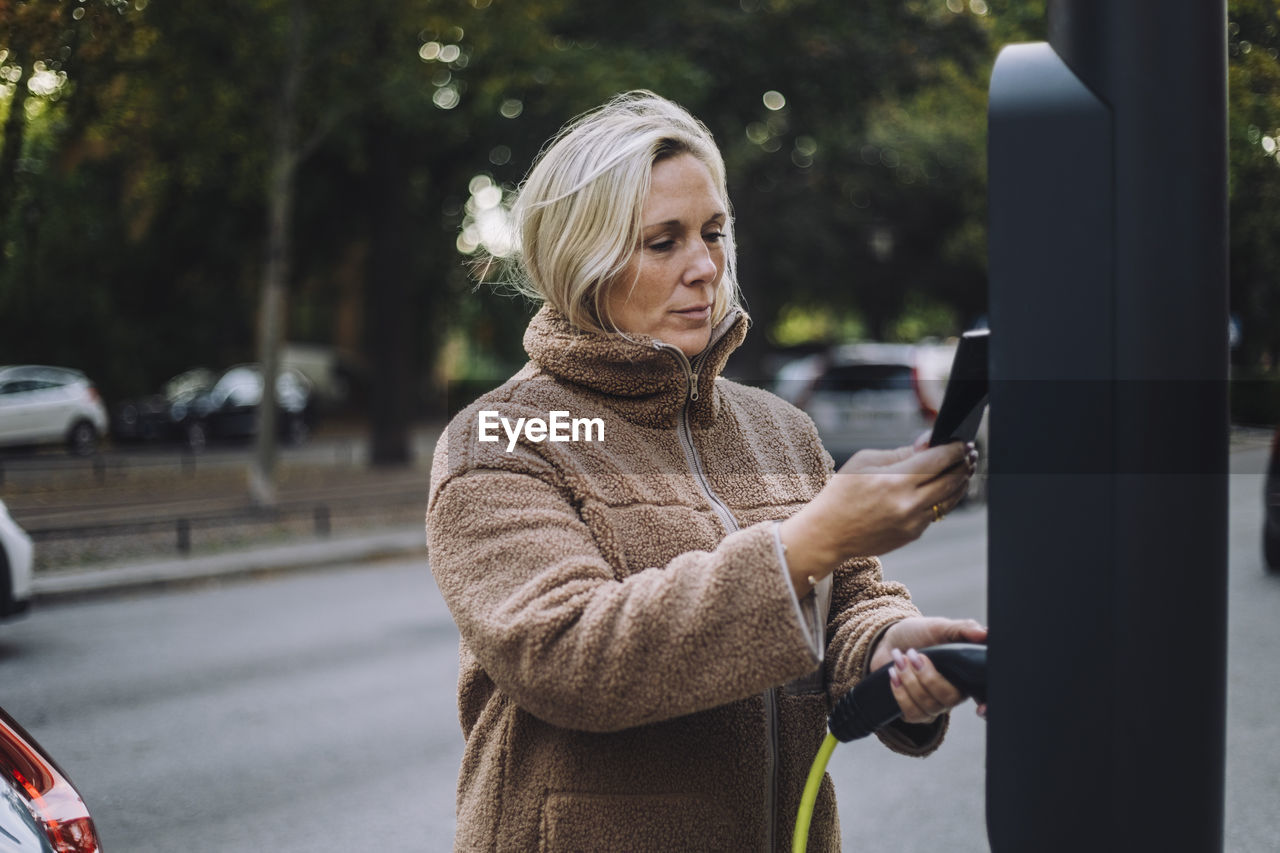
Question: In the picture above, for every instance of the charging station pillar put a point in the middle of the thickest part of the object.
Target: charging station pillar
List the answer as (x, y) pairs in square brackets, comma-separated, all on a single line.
[(1108, 431)]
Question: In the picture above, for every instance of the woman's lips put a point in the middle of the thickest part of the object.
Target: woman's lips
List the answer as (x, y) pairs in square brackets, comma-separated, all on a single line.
[(696, 312)]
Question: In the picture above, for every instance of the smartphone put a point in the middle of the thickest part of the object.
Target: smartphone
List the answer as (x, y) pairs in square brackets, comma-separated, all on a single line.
[(966, 396)]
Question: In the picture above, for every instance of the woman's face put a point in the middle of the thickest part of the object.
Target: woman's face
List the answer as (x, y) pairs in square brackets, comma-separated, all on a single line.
[(667, 289)]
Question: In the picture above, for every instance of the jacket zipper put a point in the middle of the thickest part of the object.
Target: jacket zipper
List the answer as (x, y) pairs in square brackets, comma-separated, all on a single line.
[(684, 431), (685, 434)]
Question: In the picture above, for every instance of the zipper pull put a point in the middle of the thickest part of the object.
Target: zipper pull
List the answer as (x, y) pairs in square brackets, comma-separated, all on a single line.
[(693, 386)]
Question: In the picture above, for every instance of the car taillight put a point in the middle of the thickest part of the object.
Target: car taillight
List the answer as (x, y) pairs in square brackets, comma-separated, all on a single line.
[(94, 395), (49, 795), (927, 411)]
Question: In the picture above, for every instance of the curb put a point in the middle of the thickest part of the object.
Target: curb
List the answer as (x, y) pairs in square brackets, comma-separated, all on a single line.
[(297, 555)]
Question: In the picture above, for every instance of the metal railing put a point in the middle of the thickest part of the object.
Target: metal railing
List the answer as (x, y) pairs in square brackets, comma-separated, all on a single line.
[(319, 514)]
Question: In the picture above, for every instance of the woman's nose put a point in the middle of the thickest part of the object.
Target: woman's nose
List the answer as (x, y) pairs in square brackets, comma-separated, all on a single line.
[(701, 267)]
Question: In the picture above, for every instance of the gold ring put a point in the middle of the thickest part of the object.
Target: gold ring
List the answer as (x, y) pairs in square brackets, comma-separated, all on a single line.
[(937, 513)]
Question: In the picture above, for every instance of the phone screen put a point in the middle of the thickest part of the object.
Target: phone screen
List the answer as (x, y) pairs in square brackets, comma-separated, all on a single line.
[(967, 389)]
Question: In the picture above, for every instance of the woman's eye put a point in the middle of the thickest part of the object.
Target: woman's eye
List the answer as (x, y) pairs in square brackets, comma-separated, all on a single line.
[(662, 246), (714, 237)]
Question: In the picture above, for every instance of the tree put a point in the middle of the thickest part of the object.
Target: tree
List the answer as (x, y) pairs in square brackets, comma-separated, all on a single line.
[(139, 169), (796, 93), (1253, 146)]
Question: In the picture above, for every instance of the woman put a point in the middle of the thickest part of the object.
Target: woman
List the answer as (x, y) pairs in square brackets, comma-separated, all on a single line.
[(655, 621)]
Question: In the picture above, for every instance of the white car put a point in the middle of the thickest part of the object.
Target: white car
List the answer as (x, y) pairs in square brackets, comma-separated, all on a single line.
[(869, 394), (16, 554), (49, 405), (875, 395)]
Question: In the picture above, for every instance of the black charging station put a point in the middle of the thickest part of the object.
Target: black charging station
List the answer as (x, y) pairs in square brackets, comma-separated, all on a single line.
[(1108, 431)]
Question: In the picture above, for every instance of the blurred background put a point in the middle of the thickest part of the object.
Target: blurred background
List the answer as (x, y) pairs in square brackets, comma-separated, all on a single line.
[(189, 191), (171, 173)]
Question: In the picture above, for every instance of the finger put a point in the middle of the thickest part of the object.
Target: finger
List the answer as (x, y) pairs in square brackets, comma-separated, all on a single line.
[(959, 482), (982, 710), (910, 705), (891, 456), (872, 458), (935, 630), (922, 441), (968, 631), (920, 705), (956, 475), (911, 712), (945, 491), (940, 693), (931, 462)]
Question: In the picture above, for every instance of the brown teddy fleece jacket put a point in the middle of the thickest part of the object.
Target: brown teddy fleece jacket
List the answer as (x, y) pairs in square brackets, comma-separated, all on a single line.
[(636, 672)]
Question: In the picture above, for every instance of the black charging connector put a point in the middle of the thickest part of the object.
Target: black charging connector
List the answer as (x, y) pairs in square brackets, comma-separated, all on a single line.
[(870, 703)]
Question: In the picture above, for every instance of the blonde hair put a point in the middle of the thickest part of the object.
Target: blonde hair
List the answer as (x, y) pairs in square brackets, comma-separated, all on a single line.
[(578, 213)]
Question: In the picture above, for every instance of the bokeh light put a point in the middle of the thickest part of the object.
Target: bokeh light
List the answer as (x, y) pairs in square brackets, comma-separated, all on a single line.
[(446, 97), (487, 224)]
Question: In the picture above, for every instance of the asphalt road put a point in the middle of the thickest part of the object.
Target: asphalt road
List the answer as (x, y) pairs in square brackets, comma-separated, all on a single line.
[(890, 803), (315, 710), (300, 712)]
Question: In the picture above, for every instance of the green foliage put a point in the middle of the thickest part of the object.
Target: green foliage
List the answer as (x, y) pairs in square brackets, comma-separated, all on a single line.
[(922, 318), (133, 180), (1253, 146), (798, 325)]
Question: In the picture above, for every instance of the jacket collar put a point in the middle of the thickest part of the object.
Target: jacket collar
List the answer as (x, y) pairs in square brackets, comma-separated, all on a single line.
[(649, 381)]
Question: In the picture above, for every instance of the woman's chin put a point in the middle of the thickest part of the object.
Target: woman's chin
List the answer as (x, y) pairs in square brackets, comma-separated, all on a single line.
[(689, 341)]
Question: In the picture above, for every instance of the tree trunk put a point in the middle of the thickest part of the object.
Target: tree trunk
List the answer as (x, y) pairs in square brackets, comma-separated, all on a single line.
[(271, 311), (391, 305), (15, 127), (275, 270)]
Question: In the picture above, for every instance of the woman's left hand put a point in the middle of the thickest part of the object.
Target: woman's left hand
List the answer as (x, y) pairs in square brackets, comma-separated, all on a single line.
[(921, 691)]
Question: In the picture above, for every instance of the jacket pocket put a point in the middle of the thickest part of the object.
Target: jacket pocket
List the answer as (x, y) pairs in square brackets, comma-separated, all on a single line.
[(576, 823)]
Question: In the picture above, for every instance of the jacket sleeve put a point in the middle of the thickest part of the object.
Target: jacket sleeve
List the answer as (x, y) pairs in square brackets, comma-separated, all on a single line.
[(863, 606), (544, 615)]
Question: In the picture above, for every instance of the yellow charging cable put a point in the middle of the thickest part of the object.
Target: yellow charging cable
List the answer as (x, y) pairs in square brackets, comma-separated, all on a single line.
[(800, 838), (871, 704)]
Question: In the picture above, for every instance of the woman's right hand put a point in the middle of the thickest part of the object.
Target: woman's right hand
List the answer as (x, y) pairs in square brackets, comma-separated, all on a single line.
[(878, 501)]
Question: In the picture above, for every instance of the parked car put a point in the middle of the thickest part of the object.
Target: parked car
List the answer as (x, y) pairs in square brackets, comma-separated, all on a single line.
[(868, 395), (1271, 523), (151, 418), (16, 557), (229, 410), (40, 809), (48, 405)]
